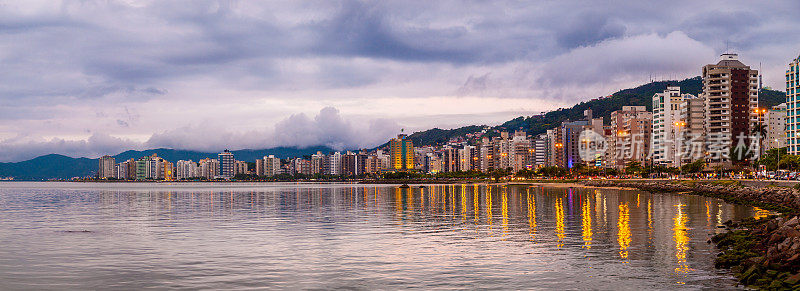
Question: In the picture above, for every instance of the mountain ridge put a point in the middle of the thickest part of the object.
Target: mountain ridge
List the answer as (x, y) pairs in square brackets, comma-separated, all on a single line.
[(57, 166)]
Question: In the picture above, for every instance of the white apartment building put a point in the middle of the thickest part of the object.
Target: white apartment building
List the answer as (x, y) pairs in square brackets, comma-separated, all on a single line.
[(271, 165), (776, 127), (666, 116)]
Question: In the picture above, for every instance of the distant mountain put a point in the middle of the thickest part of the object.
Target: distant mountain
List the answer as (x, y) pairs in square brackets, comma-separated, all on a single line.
[(63, 167), (49, 166), (601, 107)]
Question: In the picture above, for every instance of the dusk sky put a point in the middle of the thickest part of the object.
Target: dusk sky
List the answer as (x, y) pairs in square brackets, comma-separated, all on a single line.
[(87, 78)]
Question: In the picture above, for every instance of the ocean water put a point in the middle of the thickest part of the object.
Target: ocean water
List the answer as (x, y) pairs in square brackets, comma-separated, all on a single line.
[(342, 236)]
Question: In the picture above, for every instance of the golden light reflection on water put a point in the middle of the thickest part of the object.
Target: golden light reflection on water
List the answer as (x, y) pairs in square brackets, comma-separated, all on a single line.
[(634, 238), (489, 206), (586, 222), (624, 231), (504, 199), (475, 204), (761, 213), (463, 204), (398, 197), (681, 237), (650, 220), (531, 215), (560, 223)]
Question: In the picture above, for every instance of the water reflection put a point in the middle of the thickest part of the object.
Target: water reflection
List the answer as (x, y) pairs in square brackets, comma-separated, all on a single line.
[(681, 237), (623, 231), (586, 219), (540, 236)]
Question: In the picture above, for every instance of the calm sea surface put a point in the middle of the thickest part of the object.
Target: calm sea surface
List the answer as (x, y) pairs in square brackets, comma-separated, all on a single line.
[(292, 236)]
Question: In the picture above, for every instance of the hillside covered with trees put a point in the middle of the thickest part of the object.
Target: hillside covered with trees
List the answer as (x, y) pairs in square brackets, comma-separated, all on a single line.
[(601, 107)]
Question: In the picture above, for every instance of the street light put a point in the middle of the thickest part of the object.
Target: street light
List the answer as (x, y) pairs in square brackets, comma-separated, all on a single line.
[(778, 168)]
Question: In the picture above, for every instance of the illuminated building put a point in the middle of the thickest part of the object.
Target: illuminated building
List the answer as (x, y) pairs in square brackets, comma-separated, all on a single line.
[(401, 150), (666, 114), (730, 91), (630, 135), (541, 153), (168, 171), (792, 104)]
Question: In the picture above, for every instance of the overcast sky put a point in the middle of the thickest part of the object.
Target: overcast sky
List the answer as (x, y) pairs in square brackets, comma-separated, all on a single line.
[(86, 78)]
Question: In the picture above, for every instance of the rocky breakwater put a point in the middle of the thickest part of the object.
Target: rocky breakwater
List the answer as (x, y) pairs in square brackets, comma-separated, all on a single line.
[(763, 253)]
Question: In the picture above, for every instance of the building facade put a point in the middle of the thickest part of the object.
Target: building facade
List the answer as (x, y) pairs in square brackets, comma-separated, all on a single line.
[(629, 138), (792, 104), (666, 126), (730, 91), (402, 153), (227, 164), (776, 127), (105, 167)]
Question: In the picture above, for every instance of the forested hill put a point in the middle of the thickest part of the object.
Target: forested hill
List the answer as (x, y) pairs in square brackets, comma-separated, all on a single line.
[(601, 107)]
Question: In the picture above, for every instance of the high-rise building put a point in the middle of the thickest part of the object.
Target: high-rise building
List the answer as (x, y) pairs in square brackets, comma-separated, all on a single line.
[(631, 128), (208, 168), (121, 170), (301, 166), (401, 150), (540, 150), (691, 120), (350, 165), (569, 145), (666, 126), (520, 151), (730, 91), (317, 163), (776, 127), (186, 169), (143, 168), (168, 171), (332, 165), (240, 167), (227, 164), (272, 165), (449, 159), (259, 167), (793, 107), (105, 167)]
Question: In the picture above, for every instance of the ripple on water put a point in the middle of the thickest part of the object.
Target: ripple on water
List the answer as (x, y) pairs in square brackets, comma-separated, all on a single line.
[(246, 236)]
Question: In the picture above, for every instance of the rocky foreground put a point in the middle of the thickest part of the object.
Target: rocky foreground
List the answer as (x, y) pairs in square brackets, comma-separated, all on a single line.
[(765, 253)]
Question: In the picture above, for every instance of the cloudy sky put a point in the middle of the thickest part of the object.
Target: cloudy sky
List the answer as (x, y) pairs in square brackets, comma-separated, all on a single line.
[(86, 78)]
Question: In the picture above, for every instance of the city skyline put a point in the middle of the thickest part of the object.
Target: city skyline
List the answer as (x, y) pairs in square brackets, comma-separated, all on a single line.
[(345, 74)]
